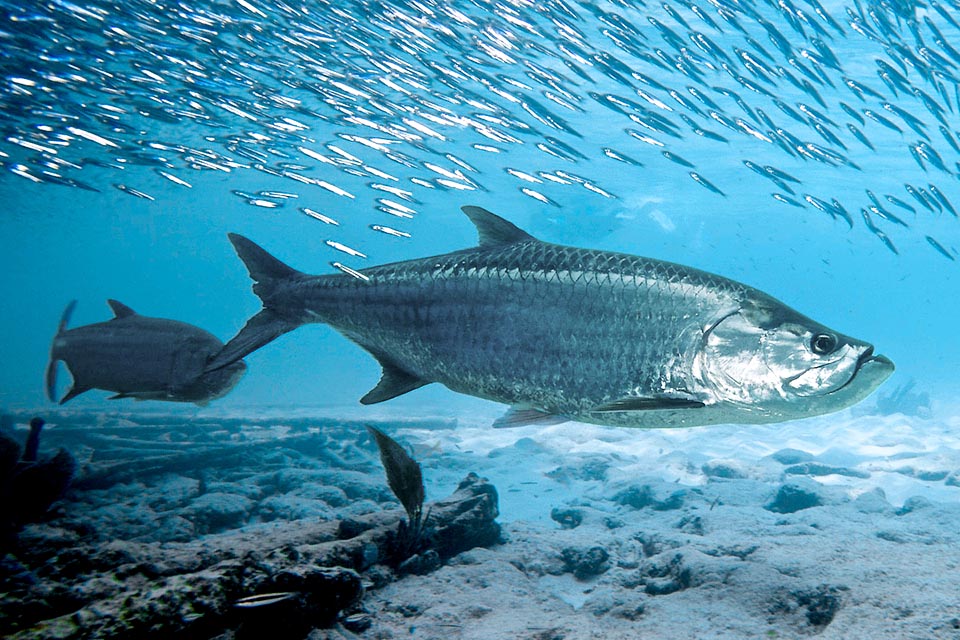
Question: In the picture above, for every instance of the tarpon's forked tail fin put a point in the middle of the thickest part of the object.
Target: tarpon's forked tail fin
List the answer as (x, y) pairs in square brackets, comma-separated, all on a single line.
[(267, 325), (51, 377), (265, 270)]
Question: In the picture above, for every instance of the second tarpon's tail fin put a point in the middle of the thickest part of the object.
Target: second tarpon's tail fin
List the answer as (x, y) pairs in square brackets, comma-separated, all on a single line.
[(51, 377), (268, 325)]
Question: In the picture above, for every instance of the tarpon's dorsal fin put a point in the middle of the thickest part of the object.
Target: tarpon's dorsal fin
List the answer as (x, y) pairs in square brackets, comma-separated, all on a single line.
[(521, 417), (493, 229), (394, 381), (120, 310), (648, 404)]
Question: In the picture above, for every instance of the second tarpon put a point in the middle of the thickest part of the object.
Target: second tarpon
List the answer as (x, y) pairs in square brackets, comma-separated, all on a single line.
[(562, 333), (140, 357)]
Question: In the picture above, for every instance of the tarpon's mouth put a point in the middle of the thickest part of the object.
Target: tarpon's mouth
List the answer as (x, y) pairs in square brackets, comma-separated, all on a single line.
[(866, 358), (863, 359)]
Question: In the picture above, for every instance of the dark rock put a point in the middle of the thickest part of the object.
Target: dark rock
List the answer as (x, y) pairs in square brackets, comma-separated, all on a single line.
[(819, 605), (585, 563), (420, 564), (350, 528), (926, 476), (642, 496), (793, 497), (568, 518), (469, 517), (477, 611), (691, 524), (9, 454), (953, 480), (741, 552), (35, 486), (213, 512), (726, 469), (629, 612), (791, 456), (595, 469), (674, 501), (663, 576), (820, 469), (914, 503), (637, 497), (325, 590), (611, 522), (555, 633)]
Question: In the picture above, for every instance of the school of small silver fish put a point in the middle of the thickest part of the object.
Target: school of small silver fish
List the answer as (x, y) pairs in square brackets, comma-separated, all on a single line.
[(858, 103)]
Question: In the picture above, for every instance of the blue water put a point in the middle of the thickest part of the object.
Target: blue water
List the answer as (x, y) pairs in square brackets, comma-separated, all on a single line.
[(169, 256)]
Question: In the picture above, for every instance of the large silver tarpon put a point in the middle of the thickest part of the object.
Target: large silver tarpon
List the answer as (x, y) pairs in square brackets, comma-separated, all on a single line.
[(562, 333)]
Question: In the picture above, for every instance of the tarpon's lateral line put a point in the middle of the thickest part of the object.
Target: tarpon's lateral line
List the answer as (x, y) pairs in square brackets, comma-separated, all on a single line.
[(562, 333)]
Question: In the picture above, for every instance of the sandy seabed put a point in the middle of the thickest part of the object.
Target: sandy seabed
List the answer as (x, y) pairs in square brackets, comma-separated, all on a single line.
[(837, 527)]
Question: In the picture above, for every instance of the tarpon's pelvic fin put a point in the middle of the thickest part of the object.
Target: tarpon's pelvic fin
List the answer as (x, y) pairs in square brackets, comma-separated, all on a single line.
[(394, 381), (522, 417), (648, 404), (120, 310), (51, 377), (493, 229)]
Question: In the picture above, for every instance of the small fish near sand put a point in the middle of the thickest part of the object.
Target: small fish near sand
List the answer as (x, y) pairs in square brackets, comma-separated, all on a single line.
[(562, 333), (140, 357)]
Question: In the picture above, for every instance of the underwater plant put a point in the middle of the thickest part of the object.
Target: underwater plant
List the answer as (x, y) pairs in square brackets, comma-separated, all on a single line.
[(406, 481)]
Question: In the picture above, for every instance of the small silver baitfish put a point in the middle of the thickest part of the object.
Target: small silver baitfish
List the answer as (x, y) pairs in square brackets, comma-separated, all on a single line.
[(140, 357), (561, 333)]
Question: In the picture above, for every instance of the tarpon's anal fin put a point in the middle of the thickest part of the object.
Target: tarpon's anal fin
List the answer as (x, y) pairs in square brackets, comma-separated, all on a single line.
[(493, 229), (648, 404), (141, 395), (262, 328), (394, 382), (521, 417), (120, 310)]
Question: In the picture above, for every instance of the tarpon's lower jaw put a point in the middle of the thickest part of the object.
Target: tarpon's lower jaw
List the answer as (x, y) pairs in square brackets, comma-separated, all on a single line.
[(871, 370)]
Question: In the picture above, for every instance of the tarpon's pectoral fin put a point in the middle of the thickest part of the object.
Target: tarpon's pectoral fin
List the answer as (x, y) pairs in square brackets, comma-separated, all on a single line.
[(394, 382), (493, 229), (120, 310), (521, 417), (648, 404)]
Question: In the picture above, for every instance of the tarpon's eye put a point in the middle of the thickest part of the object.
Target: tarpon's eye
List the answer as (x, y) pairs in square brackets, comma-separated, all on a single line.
[(823, 343)]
